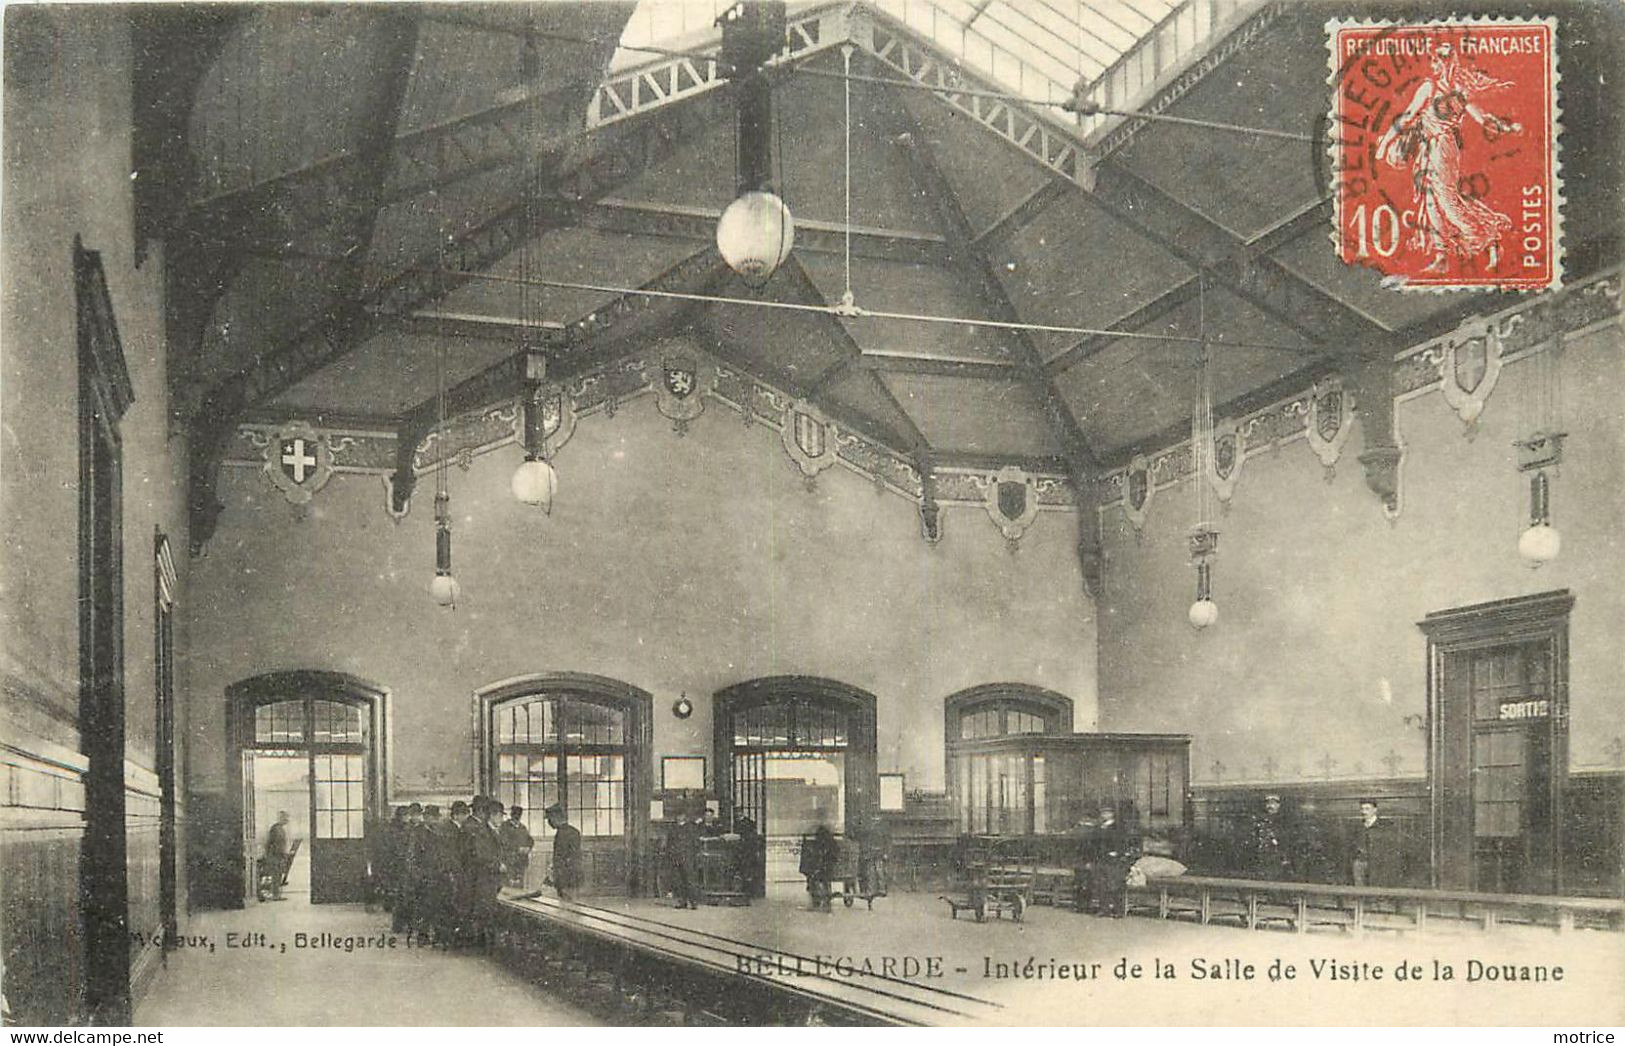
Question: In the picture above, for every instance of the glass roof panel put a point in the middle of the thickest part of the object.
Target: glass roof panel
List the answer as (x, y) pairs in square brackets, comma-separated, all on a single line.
[(1041, 49)]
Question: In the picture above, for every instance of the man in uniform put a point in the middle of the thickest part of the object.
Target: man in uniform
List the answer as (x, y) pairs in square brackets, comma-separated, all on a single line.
[(566, 853), (516, 846), (1271, 848), (1111, 849)]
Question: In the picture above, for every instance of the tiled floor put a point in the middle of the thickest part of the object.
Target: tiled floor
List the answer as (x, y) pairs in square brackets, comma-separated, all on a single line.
[(271, 981)]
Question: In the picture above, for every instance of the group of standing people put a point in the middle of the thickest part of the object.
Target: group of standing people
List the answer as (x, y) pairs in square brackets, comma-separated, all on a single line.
[(685, 843), (1299, 849), (439, 875)]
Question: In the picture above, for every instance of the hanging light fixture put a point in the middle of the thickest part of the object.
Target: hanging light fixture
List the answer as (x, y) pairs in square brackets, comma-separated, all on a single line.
[(756, 230), (534, 481), (1204, 536), (1540, 542), (1539, 457), (443, 587)]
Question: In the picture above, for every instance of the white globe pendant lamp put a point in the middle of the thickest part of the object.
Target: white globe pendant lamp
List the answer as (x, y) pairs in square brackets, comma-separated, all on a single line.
[(535, 482), (755, 235)]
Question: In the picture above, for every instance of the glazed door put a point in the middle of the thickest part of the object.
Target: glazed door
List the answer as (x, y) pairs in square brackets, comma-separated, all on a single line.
[(340, 802), (338, 844), (251, 847)]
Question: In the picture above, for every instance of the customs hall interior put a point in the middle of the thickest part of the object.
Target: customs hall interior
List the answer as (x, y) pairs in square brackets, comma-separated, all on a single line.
[(907, 499)]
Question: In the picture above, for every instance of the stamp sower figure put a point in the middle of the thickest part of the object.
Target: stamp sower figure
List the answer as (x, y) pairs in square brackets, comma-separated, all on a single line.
[(818, 865), (516, 846), (276, 854), (566, 853), (1426, 137)]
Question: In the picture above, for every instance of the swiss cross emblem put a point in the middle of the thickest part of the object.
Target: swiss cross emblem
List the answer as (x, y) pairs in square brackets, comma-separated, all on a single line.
[(298, 460)]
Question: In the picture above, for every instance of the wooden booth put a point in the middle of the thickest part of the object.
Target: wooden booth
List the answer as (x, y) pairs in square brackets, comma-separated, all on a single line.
[(1051, 783)]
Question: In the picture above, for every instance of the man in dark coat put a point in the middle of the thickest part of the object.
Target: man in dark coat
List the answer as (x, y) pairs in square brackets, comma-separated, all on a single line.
[(750, 858), (516, 846), (566, 853), (1272, 856), (481, 871), (275, 860), (818, 857), (445, 852), (683, 849), (1111, 852), (411, 881), (1374, 850)]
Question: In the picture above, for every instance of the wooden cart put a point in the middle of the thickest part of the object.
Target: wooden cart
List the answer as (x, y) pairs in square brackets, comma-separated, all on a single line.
[(994, 883)]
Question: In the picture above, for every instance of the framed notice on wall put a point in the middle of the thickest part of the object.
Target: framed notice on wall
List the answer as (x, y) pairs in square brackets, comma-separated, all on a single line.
[(891, 791), (679, 772)]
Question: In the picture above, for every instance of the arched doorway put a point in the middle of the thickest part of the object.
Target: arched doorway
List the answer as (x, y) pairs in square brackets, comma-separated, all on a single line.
[(793, 751), (583, 742), (312, 744)]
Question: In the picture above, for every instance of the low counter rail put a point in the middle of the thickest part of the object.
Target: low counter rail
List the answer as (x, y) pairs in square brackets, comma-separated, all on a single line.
[(1257, 902), (718, 978)]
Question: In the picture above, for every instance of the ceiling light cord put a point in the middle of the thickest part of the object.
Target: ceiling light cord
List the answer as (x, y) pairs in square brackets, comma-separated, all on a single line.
[(859, 311), (847, 300)]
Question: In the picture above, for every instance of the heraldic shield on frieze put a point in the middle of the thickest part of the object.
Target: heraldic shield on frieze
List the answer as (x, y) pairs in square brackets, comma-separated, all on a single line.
[(1011, 501), (680, 387), (1469, 367), (809, 438), (1137, 491), (1225, 459), (558, 419), (298, 461), (1331, 416)]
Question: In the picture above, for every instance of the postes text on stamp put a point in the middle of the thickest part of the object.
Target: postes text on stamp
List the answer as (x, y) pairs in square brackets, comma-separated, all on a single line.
[(1443, 141)]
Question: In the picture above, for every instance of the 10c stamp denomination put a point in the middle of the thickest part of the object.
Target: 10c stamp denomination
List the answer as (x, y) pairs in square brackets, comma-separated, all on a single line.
[(1444, 152)]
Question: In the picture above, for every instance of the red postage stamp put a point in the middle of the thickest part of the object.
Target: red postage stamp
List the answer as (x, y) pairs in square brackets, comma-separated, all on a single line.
[(1443, 142)]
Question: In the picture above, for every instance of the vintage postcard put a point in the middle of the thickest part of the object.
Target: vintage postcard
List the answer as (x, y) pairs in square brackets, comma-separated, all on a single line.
[(692, 513)]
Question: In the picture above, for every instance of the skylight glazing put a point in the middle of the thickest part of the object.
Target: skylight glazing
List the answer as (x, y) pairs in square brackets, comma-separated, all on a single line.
[(1116, 50)]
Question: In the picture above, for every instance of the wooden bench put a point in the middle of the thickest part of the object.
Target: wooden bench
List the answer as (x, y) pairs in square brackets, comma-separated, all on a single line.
[(1255, 903), (734, 980)]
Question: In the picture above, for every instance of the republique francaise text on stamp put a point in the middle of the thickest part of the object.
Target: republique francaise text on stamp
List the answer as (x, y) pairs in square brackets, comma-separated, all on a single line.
[(1444, 152)]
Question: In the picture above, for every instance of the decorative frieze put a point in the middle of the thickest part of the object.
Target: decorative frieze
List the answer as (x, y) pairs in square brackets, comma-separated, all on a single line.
[(680, 378), (1506, 337)]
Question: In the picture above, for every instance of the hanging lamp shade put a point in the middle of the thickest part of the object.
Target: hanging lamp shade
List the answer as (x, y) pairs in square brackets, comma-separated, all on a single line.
[(755, 235), (535, 482), (1540, 543), (444, 590), (1203, 613)]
